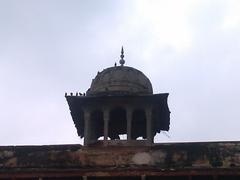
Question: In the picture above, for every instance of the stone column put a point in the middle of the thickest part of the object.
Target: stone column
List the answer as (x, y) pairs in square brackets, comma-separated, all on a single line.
[(129, 123), (106, 122), (86, 127), (149, 125)]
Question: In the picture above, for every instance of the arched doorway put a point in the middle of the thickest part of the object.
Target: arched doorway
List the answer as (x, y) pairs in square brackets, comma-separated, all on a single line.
[(138, 124), (117, 123), (96, 124)]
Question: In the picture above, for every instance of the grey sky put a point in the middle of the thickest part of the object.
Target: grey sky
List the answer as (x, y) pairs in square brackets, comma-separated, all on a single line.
[(187, 48)]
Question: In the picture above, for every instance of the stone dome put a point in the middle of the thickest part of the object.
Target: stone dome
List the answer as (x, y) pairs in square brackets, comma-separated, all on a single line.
[(120, 80)]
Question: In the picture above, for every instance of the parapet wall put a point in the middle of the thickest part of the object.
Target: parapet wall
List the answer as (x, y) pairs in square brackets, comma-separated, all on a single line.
[(214, 157)]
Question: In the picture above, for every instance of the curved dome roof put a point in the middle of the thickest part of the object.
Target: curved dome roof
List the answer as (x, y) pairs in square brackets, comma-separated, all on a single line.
[(120, 80)]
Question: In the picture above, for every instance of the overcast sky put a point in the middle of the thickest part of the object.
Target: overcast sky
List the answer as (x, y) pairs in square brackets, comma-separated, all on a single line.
[(190, 49)]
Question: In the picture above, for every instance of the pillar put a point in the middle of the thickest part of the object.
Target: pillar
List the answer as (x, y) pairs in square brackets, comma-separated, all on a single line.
[(106, 122), (86, 127), (149, 125), (129, 123)]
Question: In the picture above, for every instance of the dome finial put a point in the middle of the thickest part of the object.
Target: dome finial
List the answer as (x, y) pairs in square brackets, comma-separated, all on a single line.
[(122, 61)]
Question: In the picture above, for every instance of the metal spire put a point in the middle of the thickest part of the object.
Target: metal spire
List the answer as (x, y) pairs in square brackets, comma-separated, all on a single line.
[(122, 61)]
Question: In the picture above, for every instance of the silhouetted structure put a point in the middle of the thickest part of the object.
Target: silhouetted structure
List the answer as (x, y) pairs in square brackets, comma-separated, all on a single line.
[(120, 101)]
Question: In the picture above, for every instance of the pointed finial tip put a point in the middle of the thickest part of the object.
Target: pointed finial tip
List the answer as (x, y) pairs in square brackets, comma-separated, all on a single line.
[(122, 61)]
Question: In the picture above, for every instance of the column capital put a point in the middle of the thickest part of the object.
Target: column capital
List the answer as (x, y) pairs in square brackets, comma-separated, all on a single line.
[(148, 107), (86, 110)]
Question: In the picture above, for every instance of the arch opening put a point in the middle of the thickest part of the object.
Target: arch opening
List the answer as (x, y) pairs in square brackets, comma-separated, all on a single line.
[(139, 124), (117, 124), (97, 125)]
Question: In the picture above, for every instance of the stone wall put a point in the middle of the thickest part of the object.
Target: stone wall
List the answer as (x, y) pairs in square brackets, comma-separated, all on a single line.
[(160, 159)]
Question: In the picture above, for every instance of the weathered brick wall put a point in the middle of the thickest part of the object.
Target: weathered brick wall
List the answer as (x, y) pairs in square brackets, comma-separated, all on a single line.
[(221, 156)]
